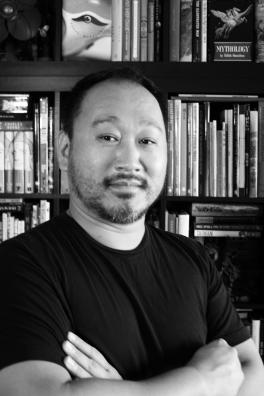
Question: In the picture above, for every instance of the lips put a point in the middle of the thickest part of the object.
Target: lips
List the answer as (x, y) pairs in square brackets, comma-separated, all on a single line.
[(125, 181)]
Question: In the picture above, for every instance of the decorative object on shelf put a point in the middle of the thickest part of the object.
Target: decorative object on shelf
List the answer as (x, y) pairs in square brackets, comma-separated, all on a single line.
[(86, 29), (22, 27)]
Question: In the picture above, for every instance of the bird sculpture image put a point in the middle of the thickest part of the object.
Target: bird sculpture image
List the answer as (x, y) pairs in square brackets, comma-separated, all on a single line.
[(87, 28), (231, 19)]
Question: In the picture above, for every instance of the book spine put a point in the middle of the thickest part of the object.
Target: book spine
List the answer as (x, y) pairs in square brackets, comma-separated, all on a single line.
[(183, 131), (253, 155), (51, 150), (19, 162), (236, 150), (230, 183), (247, 146), (126, 30), (43, 139), (9, 161), (151, 24), (241, 153), (261, 149), (170, 166), (213, 159), (174, 31), (201, 149), (227, 233), (29, 161), (158, 30), (235, 227), (36, 152), (204, 31), (2, 161), (116, 38), (177, 146), (206, 187), (210, 209), (259, 35), (189, 148), (196, 39), (186, 30), (135, 31), (144, 30), (195, 149)]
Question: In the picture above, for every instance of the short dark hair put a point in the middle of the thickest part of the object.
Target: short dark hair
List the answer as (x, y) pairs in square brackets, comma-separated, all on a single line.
[(73, 102)]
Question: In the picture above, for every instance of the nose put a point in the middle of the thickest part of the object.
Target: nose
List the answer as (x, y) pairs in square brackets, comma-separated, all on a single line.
[(128, 157)]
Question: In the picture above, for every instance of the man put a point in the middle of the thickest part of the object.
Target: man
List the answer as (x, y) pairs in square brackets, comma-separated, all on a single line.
[(148, 309)]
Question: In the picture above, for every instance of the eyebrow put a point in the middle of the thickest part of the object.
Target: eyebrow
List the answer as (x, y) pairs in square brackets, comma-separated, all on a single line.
[(103, 119), (115, 119)]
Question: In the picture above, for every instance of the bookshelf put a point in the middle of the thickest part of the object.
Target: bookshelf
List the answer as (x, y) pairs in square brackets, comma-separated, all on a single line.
[(56, 77)]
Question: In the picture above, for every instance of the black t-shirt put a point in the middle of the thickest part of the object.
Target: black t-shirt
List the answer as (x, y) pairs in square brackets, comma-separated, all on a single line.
[(147, 309)]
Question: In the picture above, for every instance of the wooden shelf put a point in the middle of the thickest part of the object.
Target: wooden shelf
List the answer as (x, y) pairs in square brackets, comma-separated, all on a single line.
[(210, 78)]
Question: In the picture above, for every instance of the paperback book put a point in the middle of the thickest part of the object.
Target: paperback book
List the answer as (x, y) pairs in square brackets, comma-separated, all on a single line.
[(230, 30)]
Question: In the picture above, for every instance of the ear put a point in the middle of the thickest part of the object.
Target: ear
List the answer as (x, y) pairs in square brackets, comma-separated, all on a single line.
[(63, 149)]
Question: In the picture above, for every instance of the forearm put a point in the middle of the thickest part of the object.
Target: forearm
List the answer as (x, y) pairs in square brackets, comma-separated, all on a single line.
[(181, 382), (253, 383)]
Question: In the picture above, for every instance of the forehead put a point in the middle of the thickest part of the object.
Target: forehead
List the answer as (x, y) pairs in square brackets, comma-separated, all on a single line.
[(112, 95)]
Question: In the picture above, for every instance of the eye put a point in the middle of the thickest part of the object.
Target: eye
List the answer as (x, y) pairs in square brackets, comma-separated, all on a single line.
[(108, 138), (147, 141)]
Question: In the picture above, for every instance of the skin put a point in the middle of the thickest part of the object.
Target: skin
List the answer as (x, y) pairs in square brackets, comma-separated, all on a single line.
[(117, 164)]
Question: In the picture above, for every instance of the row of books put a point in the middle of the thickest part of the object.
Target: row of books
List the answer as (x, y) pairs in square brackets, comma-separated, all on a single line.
[(227, 220), (17, 216), (217, 220), (216, 30), (26, 145), (215, 149), (134, 30), (118, 30)]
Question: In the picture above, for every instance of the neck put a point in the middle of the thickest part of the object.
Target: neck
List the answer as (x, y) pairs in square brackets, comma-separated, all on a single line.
[(116, 236)]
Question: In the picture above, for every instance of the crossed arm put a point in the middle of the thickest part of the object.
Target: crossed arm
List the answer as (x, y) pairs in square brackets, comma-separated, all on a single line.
[(215, 369)]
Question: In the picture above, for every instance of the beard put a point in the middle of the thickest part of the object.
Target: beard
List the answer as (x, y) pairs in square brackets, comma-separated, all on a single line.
[(118, 210)]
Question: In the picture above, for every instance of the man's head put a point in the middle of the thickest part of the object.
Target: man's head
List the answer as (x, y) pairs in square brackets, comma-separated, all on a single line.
[(114, 145)]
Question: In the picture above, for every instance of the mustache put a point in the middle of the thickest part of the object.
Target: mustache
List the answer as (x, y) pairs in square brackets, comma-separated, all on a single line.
[(125, 177)]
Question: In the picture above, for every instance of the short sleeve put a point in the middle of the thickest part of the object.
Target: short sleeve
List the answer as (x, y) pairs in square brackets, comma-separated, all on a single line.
[(33, 310)]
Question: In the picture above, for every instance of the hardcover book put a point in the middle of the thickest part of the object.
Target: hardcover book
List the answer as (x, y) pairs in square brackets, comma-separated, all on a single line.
[(259, 30), (230, 30), (86, 29), (186, 19)]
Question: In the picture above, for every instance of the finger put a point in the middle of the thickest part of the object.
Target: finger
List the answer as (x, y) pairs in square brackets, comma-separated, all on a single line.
[(88, 350), (75, 369), (89, 365)]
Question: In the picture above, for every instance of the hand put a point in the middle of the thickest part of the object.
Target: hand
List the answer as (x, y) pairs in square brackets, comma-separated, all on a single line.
[(85, 361), (219, 365)]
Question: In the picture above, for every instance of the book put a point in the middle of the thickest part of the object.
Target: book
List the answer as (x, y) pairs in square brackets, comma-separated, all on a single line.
[(144, 30), (253, 154), (14, 106), (19, 162), (230, 30), (117, 30), (151, 27), (43, 142), (126, 30), (51, 149), (186, 17), (183, 224), (261, 149), (9, 161), (174, 31), (183, 150), (197, 31), (227, 233), (2, 161), (29, 161), (204, 31), (227, 220), (170, 165), (259, 30), (135, 31), (158, 30), (86, 29), (218, 209)]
